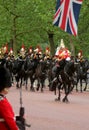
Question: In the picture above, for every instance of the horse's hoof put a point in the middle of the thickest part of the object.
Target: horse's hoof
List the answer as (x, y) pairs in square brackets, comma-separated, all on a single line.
[(17, 86), (84, 89), (76, 90), (65, 100), (37, 89), (57, 99), (41, 90), (26, 88), (32, 90)]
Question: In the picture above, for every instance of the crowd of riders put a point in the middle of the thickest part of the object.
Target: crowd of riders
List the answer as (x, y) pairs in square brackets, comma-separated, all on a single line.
[(61, 52)]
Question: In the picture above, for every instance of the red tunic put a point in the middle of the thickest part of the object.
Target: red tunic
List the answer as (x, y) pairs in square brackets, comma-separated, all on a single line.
[(7, 114)]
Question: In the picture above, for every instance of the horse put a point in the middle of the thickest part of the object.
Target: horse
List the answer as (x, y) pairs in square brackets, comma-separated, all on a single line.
[(81, 72), (18, 71), (9, 65), (30, 66), (64, 79), (41, 74)]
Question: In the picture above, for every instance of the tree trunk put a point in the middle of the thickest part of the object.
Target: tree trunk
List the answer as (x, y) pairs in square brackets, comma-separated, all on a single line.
[(51, 41), (14, 27), (72, 47), (14, 36)]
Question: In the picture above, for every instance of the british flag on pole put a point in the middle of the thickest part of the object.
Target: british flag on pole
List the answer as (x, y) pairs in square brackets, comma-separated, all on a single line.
[(67, 14)]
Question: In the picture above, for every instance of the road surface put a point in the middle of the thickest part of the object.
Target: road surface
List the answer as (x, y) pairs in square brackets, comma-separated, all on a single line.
[(44, 113)]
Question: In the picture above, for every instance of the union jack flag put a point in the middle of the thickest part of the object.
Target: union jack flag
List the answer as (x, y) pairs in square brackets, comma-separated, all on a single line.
[(67, 14)]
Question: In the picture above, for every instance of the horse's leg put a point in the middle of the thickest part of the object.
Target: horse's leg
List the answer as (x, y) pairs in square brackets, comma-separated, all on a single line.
[(42, 85), (67, 91), (59, 96), (32, 88), (42, 80), (80, 85), (12, 78), (85, 85), (32, 81), (38, 84), (26, 80), (65, 99), (59, 91), (72, 87), (77, 85), (17, 81), (17, 85)]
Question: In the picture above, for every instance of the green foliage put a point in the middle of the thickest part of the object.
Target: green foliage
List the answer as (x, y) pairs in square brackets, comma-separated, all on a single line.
[(29, 22)]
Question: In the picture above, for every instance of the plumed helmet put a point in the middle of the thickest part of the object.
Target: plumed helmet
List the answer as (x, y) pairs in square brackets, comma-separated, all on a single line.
[(47, 51), (38, 50), (22, 48), (5, 48), (11, 51), (5, 79), (62, 45), (30, 49)]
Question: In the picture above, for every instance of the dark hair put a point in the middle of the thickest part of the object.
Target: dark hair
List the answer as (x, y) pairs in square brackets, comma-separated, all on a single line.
[(5, 79)]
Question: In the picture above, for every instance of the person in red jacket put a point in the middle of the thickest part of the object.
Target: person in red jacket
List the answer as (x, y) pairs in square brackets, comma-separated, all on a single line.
[(7, 117)]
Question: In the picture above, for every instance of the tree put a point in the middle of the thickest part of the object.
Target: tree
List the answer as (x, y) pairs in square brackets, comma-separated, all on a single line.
[(30, 22)]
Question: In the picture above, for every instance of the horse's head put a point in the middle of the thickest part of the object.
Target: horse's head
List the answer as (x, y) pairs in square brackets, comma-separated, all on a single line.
[(70, 68)]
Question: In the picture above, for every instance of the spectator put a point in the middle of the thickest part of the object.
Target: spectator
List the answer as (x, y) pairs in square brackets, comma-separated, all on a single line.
[(7, 118)]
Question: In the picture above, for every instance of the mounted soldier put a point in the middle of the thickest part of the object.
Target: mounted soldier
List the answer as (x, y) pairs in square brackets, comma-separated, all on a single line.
[(1, 54), (47, 51), (30, 50), (11, 52), (80, 55), (46, 55), (22, 51), (38, 52), (5, 50), (62, 52)]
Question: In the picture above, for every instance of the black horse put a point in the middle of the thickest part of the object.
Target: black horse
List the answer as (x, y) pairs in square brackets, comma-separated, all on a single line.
[(82, 72), (30, 66), (18, 71), (64, 80), (41, 74)]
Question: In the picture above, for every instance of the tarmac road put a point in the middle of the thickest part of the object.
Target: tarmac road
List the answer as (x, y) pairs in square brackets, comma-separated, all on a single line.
[(44, 113)]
